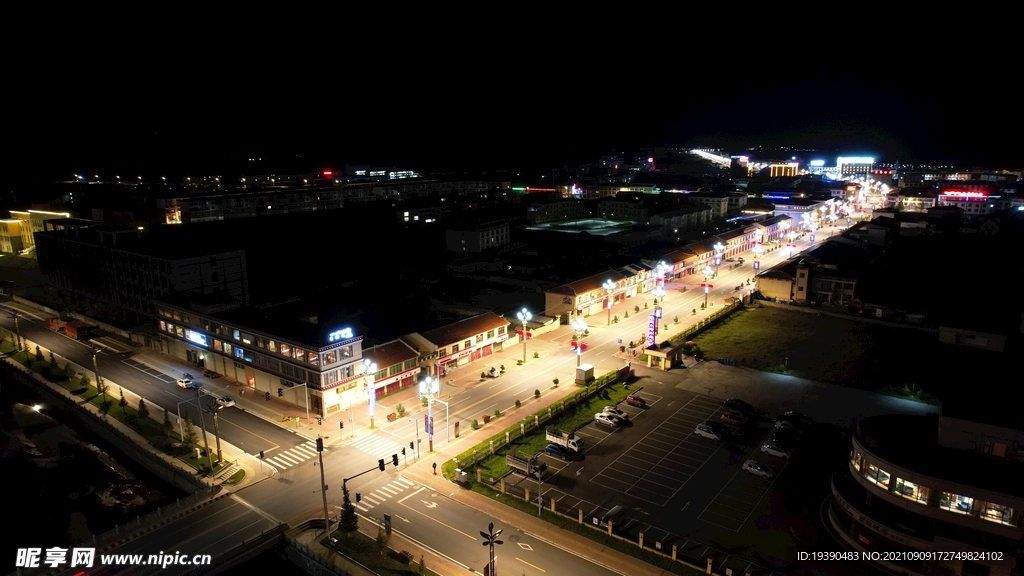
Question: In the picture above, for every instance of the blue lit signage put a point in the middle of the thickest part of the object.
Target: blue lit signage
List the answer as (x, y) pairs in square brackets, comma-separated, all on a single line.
[(777, 196), (340, 335), (196, 338)]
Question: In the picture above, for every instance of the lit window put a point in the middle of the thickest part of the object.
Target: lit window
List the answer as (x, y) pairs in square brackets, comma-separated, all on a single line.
[(857, 459), (455, 348), (998, 513), (286, 350), (878, 476), (912, 491), (271, 345), (956, 503)]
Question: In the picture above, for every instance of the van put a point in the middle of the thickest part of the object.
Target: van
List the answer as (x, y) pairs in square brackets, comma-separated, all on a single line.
[(613, 516)]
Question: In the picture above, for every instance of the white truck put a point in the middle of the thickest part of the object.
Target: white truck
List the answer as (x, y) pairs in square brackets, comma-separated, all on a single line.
[(570, 441), (528, 466)]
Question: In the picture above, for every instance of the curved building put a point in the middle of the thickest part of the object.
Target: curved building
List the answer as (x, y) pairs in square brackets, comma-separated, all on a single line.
[(927, 495)]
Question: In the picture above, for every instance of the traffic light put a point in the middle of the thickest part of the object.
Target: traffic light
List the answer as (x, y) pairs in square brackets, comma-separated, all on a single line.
[(319, 421), (267, 396), (319, 444), (359, 497), (261, 454), (403, 450), (342, 426), (410, 446), (280, 392), (394, 459), (380, 464)]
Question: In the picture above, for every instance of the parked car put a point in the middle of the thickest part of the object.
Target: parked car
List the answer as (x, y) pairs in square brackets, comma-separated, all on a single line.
[(776, 449), (730, 259), (616, 412), (794, 425), (188, 383), (608, 420), (560, 452), (225, 402), (634, 400), (796, 416), (705, 431), (757, 469), (493, 372), (732, 417), (741, 260), (737, 404)]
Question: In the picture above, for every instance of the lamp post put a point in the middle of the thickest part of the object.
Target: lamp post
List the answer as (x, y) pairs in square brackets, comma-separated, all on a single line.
[(96, 369), (708, 272), (416, 430), (216, 430), (609, 286), (719, 251), (491, 539), (428, 387), (17, 327), (757, 250), (524, 317), (202, 422), (579, 326), (369, 371)]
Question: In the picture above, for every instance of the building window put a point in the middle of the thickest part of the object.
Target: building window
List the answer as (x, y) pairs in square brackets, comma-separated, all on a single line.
[(163, 325), (455, 348), (409, 364), (236, 334), (218, 345), (392, 370), (501, 330), (956, 503), (345, 351), (479, 338), (227, 348), (239, 353), (442, 352), (331, 377), (467, 344), (346, 372), (271, 345), (490, 334), (179, 331), (260, 343), (330, 358), (998, 513), (878, 476), (912, 491), (857, 459), (286, 350), (380, 375), (299, 353), (313, 358)]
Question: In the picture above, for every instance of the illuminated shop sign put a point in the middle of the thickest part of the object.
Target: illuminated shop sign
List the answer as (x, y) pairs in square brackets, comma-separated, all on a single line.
[(777, 196), (817, 163), (340, 335), (196, 338)]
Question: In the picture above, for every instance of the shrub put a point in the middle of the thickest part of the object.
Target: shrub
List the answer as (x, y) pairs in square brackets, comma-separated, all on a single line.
[(518, 403), (502, 368), (519, 362), (423, 401), (400, 409), (636, 308), (615, 319), (497, 413), (555, 382), (536, 393), (645, 305), (483, 375), (677, 319), (536, 354), (474, 424), (626, 315)]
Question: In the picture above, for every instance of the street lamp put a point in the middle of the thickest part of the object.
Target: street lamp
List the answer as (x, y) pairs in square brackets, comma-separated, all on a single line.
[(490, 539), (757, 250), (719, 251), (428, 387), (609, 286), (96, 369), (369, 371), (708, 272), (579, 326), (17, 327), (524, 317)]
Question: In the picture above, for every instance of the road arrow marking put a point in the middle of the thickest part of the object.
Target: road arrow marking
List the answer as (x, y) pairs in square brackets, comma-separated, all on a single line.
[(429, 504), (402, 519), (684, 506)]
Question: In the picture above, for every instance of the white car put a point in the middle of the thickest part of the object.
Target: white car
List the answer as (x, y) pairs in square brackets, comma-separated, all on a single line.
[(608, 419), (777, 450), (708, 432), (187, 383), (757, 469), (615, 412), (225, 401)]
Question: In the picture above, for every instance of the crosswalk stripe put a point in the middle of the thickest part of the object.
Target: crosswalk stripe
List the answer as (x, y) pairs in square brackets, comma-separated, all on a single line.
[(390, 491), (384, 496), (304, 448), (288, 458), (363, 508), (372, 498), (279, 464), (404, 481)]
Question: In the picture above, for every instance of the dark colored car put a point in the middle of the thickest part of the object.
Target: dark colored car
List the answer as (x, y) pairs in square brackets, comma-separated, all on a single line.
[(796, 417), (786, 437), (634, 400), (560, 452), (737, 404)]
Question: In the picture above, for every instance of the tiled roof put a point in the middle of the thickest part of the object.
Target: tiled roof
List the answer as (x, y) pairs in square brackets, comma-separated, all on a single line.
[(730, 234), (464, 329), (587, 284), (390, 353), (784, 271), (774, 220)]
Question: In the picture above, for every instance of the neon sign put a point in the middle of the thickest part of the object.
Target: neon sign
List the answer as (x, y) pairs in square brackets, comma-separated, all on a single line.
[(196, 338), (344, 334), (817, 163), (967, 194), (777, 196)]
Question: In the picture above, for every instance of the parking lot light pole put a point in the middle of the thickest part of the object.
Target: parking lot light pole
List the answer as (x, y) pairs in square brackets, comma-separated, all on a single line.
[(609, 286), (524, 317), (579, 326)]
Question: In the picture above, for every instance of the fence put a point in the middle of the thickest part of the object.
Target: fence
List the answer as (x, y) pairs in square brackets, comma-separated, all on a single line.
[(318, 564), (169, 512)]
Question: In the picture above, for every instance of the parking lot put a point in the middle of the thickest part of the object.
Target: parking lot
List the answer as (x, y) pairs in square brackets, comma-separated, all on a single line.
[(741, 495)]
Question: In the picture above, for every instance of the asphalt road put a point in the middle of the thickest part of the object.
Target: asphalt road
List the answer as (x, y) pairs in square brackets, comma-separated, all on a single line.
[(248, 432)]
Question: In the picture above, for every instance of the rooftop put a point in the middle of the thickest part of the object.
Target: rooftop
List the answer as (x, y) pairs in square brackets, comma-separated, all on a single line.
[(390, 353), (588, 284), (913, 442), (464, 329)]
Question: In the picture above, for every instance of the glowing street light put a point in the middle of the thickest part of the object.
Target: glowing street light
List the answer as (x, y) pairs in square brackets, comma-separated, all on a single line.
[(490, 539), (580, 327), (708, 272), (609, 286), (369, 372), (719, 251), (524, 317), (430, 386)]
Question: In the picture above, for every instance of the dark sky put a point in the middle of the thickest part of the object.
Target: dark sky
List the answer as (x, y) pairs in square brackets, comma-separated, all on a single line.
[(445, 108)]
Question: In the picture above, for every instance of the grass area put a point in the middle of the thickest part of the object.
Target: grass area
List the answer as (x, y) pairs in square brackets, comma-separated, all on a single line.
[(367, 551), (899, 361), (235, 478)]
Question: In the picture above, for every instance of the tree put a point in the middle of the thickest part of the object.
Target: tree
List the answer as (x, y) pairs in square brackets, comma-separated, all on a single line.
[(143, 410), (39, 354), (122, 402), (168, 427), (349, 520), (68, 370), (423, 566), (105, 405), (84, 382), (382, 540), (191, 438)]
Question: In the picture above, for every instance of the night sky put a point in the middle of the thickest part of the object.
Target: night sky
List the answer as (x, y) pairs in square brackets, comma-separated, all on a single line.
[(443, 110)]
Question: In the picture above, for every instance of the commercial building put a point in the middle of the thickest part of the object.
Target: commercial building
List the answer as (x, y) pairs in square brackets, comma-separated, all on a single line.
[(784, 169), (973, 202), (826, 274), (804, 212), (32, 222), (459, 343), (587, 296), (11, 240), (555, 210), (682, 219), (854, 165), (629, 209), (719, 203), (947, 488), (478, 235)]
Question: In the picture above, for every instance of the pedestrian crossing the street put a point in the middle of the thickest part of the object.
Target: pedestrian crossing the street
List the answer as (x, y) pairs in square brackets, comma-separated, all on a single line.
[(293, 456), (385, 492), (377, 446)]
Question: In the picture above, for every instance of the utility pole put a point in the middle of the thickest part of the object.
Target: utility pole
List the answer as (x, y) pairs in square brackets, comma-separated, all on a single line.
[(216, 433), (323, 484), (202, 422)]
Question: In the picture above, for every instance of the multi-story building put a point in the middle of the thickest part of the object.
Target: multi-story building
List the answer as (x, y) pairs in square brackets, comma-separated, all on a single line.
[(784, 169), (585, 297), (827, 274), (916, 199), (478, 236), (854, 165), (120, 271), (974, 203), (880, 231), (682, 219), (943, 491), (32, 222), (541, 212), (11, 240), (459, 343), (805, 212), (719, 203), (622, 209)]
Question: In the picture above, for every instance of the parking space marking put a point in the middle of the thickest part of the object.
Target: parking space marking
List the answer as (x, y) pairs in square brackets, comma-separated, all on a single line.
[(737, 503)]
